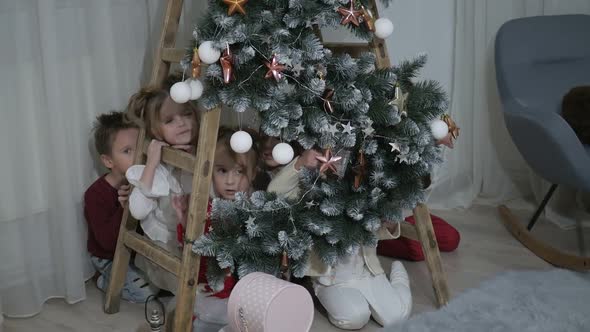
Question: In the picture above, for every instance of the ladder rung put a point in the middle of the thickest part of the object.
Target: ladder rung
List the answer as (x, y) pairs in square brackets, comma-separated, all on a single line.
[(145, 247), (354, 49), (174, 157), (348, 45), (173, 54)]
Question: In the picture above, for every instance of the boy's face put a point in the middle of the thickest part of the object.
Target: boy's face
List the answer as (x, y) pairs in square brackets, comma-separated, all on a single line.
[(267, 146), (176, 123), (229, 177), (122, 151)]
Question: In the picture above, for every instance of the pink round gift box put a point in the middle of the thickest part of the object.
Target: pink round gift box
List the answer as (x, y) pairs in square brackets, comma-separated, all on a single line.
[(262, 303)]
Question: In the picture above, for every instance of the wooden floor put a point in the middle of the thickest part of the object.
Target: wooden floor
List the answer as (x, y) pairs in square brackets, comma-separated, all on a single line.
[(486, 249)]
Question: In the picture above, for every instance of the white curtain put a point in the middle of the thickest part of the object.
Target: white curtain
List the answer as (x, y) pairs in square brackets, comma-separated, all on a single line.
[(63, 63)]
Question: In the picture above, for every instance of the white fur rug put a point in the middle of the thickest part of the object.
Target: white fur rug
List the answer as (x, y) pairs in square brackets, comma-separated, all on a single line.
[(551, 301)]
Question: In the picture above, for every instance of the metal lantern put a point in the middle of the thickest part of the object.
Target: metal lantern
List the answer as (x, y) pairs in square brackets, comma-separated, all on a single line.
[(157, 313)]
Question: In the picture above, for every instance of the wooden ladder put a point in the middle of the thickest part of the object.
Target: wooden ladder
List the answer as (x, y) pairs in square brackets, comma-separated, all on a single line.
[(186, 268)]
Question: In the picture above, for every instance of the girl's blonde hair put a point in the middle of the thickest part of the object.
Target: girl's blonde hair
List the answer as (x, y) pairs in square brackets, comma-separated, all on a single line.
[(145, 106), (248, 160)]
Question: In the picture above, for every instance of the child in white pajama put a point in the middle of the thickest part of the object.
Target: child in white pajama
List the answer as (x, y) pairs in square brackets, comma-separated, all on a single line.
[(351, 294), (356, 288)]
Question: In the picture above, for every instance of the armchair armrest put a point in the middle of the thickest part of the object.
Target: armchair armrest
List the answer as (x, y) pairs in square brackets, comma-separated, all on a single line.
[(549, 145)]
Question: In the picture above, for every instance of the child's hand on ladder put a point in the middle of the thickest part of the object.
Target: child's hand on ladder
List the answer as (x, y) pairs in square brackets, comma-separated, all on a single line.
[(123, 193), (180, 205), (185, 147), (154, 152)]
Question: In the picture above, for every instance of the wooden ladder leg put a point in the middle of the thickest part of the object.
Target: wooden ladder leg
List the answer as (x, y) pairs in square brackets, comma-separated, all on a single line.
[(377, 45), (159, 71), (160, 67), (189, 271), (119, 267), (431, 253)]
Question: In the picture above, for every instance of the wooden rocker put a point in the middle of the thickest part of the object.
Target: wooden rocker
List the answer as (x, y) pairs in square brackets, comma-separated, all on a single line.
[(538, 60)]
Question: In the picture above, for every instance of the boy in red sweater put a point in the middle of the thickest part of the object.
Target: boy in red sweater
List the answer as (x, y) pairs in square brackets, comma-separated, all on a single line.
[(115, 139)]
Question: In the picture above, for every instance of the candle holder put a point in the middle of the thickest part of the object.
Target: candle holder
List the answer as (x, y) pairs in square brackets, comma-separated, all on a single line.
[(157, 313)]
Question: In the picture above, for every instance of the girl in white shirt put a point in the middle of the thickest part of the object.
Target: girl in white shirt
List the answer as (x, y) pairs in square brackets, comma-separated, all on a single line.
[(161, 191)]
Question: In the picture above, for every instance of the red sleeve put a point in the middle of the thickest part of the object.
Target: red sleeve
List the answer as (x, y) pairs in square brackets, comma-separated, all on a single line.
[(180, 234), (103, 219), (228, 285)]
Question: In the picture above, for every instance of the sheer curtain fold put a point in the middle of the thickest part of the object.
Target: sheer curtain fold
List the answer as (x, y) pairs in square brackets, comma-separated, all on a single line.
[(63, 63)]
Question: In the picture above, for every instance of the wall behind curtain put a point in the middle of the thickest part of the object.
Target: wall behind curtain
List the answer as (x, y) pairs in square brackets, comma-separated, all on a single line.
[(63, 63)]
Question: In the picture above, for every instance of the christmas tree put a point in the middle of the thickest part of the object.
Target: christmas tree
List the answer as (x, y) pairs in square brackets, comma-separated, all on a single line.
[(372, 124)]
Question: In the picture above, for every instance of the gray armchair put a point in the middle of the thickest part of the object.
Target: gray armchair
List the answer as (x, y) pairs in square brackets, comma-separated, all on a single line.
[(538, 60)]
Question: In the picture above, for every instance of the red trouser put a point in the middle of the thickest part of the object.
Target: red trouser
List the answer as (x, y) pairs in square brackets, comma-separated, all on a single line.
[(446, 235)]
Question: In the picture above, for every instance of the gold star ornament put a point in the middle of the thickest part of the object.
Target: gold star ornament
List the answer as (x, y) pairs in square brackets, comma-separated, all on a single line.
[(453, 129), (399, 100), (395, 147), (235, 6), (446, 141), (328, 161), (275, 69), (452, 135), (350, 14)]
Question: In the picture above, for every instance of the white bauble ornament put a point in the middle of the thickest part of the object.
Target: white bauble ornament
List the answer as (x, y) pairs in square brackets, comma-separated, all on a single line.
[(439, 129), (383, 28), (196, 88), (283, 153), (207, 53), (240, 141), (180, 92)]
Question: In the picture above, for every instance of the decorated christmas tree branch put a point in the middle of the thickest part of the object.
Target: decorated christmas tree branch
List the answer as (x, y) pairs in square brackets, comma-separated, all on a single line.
[(378, 131)]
